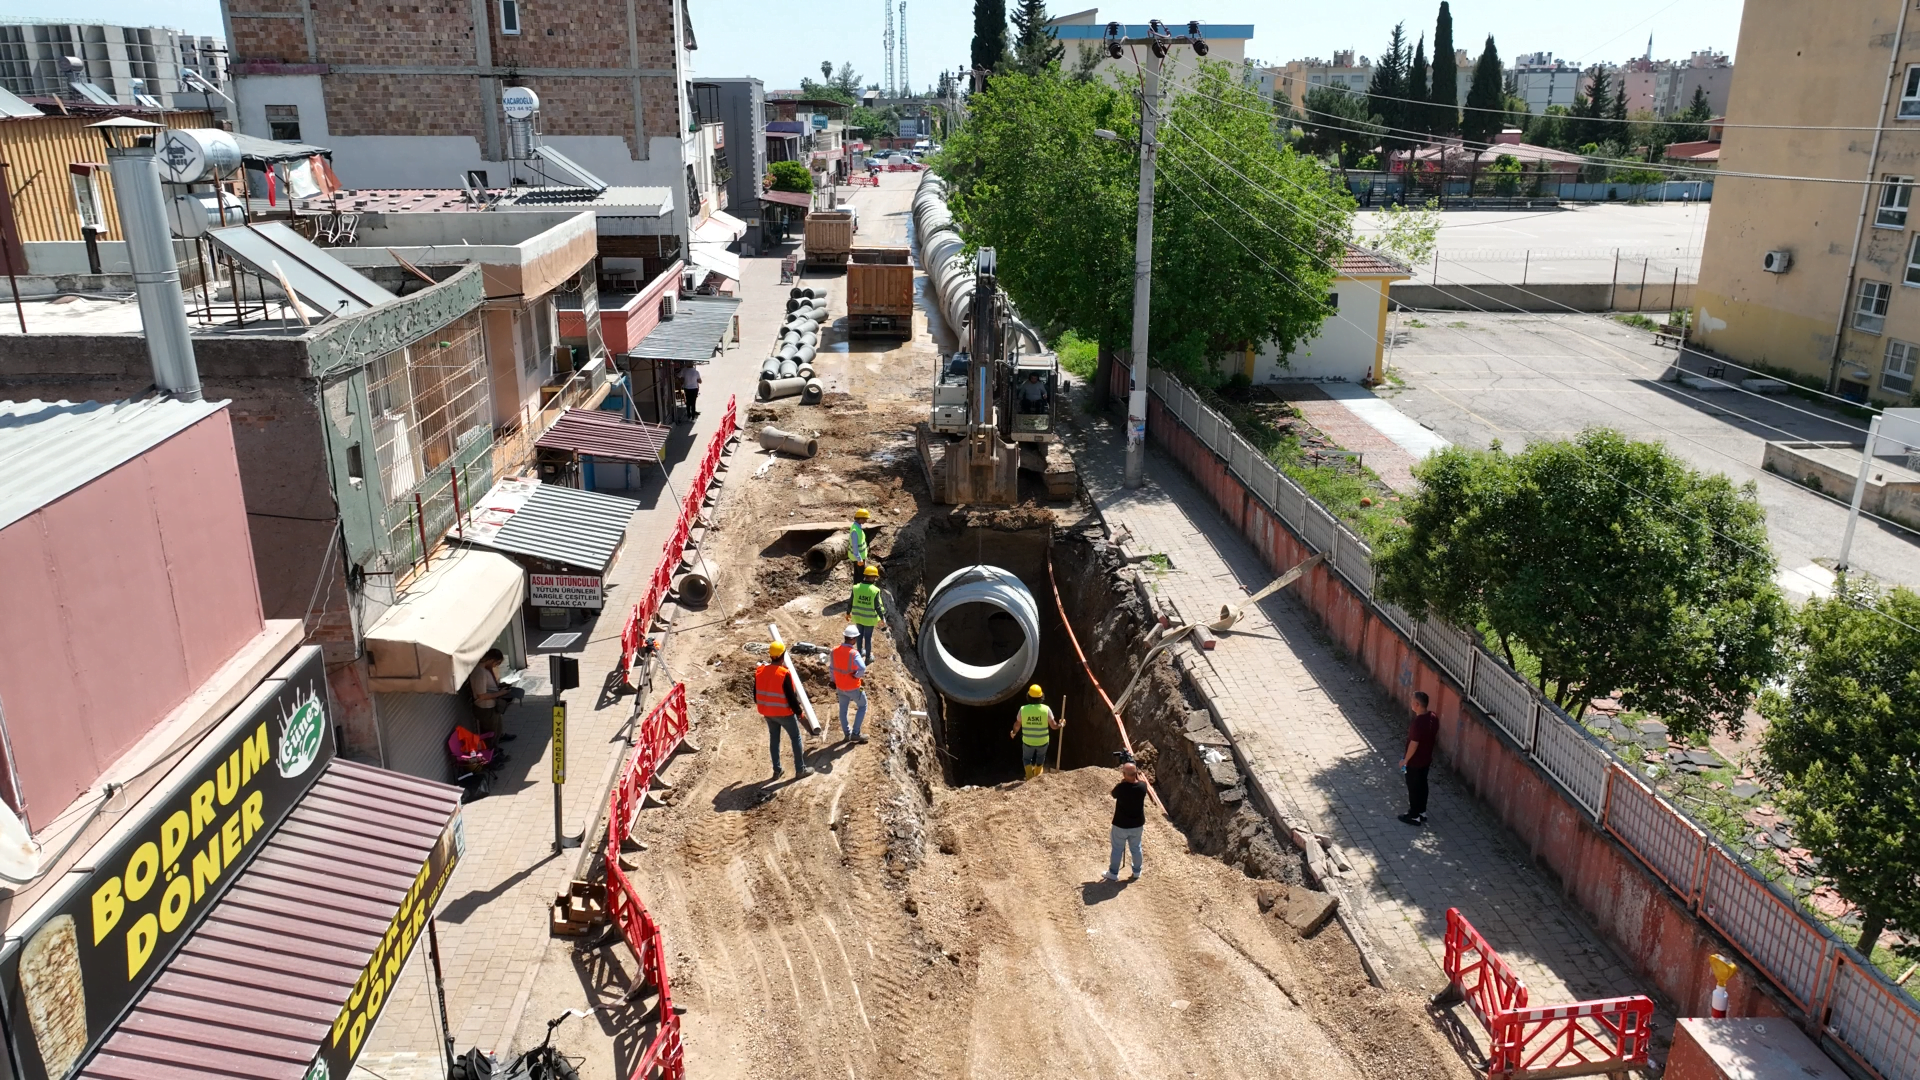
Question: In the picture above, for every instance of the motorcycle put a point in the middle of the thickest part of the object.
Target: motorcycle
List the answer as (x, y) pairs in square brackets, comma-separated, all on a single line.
[(542, 1062)]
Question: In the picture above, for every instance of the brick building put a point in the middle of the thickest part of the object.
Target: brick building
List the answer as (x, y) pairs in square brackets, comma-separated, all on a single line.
[(409, 95)]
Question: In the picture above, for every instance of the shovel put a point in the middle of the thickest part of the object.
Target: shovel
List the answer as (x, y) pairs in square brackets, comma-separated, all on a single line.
[(1229, 616)]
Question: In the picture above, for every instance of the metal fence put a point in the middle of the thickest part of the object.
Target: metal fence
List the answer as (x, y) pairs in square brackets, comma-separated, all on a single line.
[(1869, 1017)]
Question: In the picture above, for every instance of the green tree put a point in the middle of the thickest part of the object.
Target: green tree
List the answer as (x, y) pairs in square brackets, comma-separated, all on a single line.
[(1590, 108), (1033, 181), (1486, 97), (1609, 562), (847, 82), (790, 176), (826, 91), (1035, 44), (1446, 77), (1551, 128), (1617, 108), (1336, 124), (1407, 234), (1417, 117), (1843, 746), (1387, 89), (1504, 174), (826, 70), (989, 51), (1690, 123)]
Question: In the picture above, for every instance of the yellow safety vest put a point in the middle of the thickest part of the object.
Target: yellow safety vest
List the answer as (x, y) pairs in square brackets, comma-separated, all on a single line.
[(865, 605), (1033, 724), (857, 543)]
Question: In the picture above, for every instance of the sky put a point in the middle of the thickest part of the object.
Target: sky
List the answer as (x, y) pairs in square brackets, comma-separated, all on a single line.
[(780, 41)]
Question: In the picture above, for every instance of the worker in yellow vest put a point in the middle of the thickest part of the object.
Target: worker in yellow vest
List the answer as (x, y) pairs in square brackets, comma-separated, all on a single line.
[(867, 607), (849, 672), (1034, 728), (774, 697), (857, 541)]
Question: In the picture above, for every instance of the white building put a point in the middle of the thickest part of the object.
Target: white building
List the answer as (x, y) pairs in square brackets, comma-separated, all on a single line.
[(100, 64), (1545, 82), (1351, 345)]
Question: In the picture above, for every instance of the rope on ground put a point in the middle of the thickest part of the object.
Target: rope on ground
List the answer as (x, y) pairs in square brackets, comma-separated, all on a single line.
[(1118, 724)]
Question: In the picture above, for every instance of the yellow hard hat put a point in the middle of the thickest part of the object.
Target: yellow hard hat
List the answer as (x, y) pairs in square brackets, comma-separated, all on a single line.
[(873, 571), (1034, 690), (776, 650), (861, 514)]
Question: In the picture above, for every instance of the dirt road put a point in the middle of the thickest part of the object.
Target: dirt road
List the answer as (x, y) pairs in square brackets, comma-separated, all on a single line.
[(871, 921)]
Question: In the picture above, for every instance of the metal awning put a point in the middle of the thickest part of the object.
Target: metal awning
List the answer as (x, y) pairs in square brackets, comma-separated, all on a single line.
[(254, 148), (430, 641), (329, 903), (604, 435), (697, 331), (720, 228), (546, 521), (801, 199), (716, 259)]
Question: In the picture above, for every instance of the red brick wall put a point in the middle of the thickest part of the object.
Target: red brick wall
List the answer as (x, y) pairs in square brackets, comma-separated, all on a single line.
[(1656, 934), (282, 41), (404, 105)]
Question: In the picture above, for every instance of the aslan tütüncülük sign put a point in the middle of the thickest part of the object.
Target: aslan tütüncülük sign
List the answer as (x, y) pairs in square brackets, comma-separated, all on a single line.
[(72, 972)]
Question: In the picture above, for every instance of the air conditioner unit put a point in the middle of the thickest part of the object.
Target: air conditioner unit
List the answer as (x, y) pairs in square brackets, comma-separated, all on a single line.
[(1777, 262)]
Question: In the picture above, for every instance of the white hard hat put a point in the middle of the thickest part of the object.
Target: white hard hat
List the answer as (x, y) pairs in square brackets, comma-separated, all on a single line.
[(851, 631)]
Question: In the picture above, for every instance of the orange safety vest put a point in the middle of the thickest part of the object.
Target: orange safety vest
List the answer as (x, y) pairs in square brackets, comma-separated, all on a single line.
[(469, 743), (843, 669), (770, 690)]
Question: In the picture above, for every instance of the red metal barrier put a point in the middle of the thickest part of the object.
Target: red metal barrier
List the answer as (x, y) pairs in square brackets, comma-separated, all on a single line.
[(1583, 1039), (635, 631)]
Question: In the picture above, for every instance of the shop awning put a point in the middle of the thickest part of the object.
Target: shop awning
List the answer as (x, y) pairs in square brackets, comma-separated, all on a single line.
[(720, 228), (429, 642), (547, 521), (605, 435), (697, 330), (337, 898), (716, 259), (801, 199)]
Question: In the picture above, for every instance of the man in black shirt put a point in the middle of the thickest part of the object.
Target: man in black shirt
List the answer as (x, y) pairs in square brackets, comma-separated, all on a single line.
[(1422, 734), (1129, 820)]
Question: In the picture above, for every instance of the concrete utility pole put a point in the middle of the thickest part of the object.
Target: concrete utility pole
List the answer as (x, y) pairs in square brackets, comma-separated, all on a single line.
[(1859, 494), (1159, 40)]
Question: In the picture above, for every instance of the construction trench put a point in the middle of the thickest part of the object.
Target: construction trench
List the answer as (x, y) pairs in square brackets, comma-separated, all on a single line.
[(913, 908)]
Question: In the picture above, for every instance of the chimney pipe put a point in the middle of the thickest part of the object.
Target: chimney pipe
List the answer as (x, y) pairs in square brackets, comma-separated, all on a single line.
[(132, 162)]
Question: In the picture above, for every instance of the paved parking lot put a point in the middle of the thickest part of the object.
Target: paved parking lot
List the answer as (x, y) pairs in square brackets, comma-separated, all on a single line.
[(1473, 378), (1570, 245)]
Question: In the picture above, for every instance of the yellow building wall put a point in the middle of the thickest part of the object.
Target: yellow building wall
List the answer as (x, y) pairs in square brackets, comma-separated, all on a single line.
[(1810, 64), (37, 153)]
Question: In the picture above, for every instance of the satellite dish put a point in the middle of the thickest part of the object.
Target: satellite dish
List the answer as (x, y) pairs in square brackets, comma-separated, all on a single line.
[(519, 103), (187, 216), (19, 856)]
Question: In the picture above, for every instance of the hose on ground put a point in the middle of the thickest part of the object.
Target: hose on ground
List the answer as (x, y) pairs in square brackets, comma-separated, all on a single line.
[(974, 684)]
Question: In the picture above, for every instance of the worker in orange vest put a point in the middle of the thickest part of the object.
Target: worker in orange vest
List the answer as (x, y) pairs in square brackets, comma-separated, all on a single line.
[(849, 670), (774, 697)]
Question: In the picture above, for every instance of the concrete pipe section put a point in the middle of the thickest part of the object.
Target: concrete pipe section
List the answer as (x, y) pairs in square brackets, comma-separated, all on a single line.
[(785, 442), (972, 684), (775, 389)]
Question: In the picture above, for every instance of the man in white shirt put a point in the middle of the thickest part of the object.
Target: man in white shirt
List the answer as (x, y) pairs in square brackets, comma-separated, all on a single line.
[(690, 386)]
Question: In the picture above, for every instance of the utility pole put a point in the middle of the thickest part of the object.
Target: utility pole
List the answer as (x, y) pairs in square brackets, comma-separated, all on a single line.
[(887, 87), (1159, 41), (906, 81), (1859, 494)]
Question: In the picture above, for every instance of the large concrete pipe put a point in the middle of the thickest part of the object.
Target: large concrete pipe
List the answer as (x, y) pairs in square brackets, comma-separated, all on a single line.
[(805, 352), (789, 369), (799, 291), (973, 684), (788, 351), (805, 371), (775, 389), (828, 551), (785, 442), (813, 392), (693, 589), (770, 368)]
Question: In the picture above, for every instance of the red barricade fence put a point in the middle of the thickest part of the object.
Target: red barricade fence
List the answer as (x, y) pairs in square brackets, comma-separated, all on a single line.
[(660, 733), (1582, 1039), (635, 631)]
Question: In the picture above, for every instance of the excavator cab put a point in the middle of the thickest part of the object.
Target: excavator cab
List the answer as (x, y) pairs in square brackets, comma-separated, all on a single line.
[(1032, 386)]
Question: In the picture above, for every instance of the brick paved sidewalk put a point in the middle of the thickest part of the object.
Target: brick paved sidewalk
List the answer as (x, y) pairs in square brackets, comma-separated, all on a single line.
[(493, 916), (1325, 743)]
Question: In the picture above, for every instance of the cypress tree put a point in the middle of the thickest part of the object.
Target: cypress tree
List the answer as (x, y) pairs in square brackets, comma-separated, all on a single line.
[(989, 34), (1446, 77), (1035, 45), (1486, 97), (1418, 118), (1389, 83)]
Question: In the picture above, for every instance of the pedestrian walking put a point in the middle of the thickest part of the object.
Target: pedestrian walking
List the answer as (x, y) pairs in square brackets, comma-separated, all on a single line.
[(867, 607), (774, 697), (1034, 727), (1129, 821), (849, 675), (1422, 734), (491, 697), (690, 388), (857, 542)]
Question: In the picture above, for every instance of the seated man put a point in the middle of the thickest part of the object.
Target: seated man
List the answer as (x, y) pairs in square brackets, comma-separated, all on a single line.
[(1033, 395)]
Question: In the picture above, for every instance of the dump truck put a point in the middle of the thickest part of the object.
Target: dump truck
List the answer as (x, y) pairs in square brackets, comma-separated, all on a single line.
[(880, 293), (829, 238)]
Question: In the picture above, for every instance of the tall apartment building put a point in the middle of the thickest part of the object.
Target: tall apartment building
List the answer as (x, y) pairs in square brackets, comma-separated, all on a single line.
[(1545, 82), (1295, 77), (1821, 280), (99, 64), (1665, 87), (410, 95)]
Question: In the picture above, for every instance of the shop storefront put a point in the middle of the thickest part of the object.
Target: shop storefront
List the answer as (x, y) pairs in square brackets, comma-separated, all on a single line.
[(247, 916), (565, 539)]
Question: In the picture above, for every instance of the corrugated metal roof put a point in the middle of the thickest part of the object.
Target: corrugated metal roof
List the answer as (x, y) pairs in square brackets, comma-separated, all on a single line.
[(49, 449), (254, 992), (566, 525), (604, 434), (696, 331), (801, 199)]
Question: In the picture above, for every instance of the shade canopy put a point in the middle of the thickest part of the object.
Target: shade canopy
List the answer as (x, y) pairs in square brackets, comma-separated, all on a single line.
[(431, 640)]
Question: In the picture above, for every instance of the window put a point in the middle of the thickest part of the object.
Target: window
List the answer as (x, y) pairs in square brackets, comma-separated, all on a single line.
[(1896, 195), (1870, 307), (86, 196), (283, 123), (1333, 301), (1913, 261), (1896, 376), (356, 468), (510, 16), (1910, 95)]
